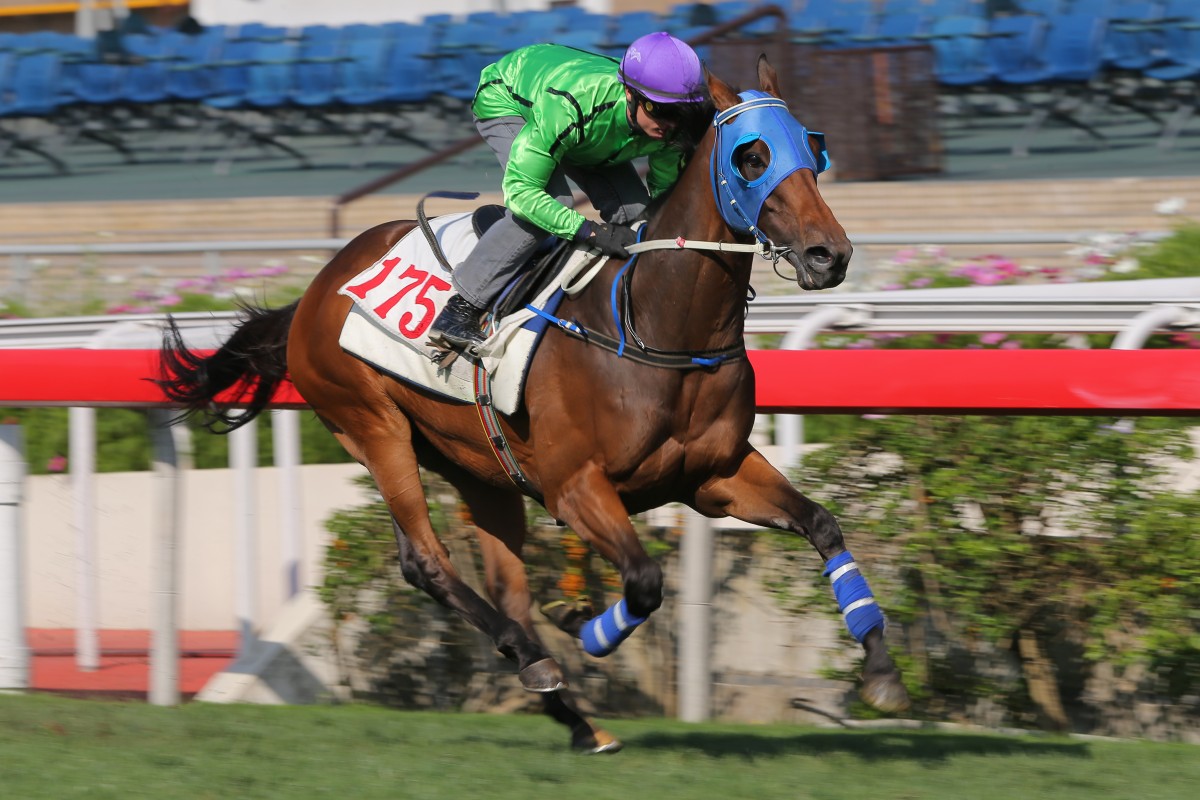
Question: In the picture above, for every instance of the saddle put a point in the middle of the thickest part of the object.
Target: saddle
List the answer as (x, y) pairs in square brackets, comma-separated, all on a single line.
[(544, 264), (397, 297)]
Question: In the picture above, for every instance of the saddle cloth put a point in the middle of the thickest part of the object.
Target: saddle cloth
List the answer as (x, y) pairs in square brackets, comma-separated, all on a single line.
[(398, 297)]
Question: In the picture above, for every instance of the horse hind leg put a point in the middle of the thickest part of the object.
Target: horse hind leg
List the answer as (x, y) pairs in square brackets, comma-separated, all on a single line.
[(426, 562), (759, 494), (499, 518), (542, 676)]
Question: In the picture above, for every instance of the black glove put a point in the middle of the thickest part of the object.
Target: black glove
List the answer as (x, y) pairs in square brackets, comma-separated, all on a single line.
[(608, 239)]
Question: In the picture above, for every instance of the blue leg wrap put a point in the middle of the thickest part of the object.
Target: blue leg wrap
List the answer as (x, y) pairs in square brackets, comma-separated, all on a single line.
[(603, 634), (853, 595)]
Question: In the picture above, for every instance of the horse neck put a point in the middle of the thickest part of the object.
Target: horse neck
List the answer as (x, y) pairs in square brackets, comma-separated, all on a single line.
[(691, 299)]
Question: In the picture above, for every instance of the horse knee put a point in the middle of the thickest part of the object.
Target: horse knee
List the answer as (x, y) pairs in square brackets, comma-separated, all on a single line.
[(824, 532), (644, 588)]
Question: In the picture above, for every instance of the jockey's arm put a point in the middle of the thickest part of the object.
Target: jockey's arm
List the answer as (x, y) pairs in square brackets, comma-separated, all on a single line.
[(530, 166)]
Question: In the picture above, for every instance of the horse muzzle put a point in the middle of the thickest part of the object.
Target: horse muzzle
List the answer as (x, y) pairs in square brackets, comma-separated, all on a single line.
[(821, 266)]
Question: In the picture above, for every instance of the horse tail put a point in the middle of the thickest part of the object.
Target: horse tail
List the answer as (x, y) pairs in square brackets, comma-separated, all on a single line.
[(253, 362)]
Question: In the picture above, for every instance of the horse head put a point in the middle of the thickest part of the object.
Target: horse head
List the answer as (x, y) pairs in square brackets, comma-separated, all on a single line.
[(763, 167)]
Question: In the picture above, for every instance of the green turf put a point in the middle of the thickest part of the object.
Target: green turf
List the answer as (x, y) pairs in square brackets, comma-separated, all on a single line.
[(59, 748)]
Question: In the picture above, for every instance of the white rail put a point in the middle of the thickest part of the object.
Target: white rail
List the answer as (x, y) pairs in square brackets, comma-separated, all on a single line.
[(1103, 307)]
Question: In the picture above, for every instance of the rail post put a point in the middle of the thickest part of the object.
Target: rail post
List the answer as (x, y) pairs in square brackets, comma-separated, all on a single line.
[(14, 651)]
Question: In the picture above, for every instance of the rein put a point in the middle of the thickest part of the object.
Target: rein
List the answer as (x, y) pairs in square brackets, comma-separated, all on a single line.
[(765, 249), (645, 354)]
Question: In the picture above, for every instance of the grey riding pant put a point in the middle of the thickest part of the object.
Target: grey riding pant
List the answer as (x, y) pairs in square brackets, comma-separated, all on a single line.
[(616, 191)]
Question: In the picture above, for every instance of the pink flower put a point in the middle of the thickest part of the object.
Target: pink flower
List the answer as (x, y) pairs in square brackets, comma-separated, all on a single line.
[(57, 463), (992, 339)]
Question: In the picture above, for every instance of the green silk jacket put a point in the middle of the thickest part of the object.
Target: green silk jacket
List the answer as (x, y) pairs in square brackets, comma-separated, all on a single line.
[(575, 113)]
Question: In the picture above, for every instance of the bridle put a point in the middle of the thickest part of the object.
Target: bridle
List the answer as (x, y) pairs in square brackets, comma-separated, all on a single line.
[(760, 116)]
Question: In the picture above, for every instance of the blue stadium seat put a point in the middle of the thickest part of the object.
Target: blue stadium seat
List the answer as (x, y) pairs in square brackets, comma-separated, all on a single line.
[(626, 27), (960, 52), (191, 76), (1135, 34), (315, 73), (1016, 43), (1179, 72), (1059, 85), (148, 69), (362, 77), (898, 28), (32, 89)]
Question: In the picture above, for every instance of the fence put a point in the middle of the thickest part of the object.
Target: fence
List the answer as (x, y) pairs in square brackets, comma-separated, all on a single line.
[(1007, 382)]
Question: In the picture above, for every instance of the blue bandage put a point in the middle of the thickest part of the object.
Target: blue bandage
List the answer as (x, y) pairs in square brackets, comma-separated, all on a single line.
[(601, 635), (854, 598)]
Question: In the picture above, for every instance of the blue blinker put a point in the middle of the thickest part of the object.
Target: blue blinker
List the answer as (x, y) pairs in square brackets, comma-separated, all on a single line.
[(759, 116)]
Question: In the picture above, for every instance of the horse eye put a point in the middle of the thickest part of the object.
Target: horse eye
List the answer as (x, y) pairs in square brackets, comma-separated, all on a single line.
[(750, 163)]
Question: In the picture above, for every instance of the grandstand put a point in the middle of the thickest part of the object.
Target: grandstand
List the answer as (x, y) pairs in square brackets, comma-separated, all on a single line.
[(195, 113), (266, 82)]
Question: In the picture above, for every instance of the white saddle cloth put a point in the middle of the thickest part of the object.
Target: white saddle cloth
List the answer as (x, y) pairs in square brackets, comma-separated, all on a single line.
[(398, 297)]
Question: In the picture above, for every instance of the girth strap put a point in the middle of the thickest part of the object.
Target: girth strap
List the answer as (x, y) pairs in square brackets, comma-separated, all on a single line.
[(495, 434)]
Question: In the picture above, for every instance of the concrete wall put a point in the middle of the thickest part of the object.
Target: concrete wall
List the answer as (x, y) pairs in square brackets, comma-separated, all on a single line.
[(123, 518)]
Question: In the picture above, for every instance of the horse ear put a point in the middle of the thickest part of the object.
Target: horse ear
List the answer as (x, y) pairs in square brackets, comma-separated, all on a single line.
[(723, 97), (768, 81)]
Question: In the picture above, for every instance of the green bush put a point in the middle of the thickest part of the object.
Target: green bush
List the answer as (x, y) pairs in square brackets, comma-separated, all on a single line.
[(123, 440)]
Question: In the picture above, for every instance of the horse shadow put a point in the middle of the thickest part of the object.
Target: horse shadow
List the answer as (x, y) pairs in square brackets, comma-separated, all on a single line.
[(872, 746)]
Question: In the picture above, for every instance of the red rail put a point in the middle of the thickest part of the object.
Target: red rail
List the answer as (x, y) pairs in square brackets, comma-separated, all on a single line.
[(1163, 382)]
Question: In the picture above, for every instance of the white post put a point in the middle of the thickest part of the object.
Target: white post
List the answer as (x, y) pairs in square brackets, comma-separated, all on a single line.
[(14, 652), (789, 431), (243, 458), (695, 620), (85, 19), (168, 440), (285, 439), (81, 459)]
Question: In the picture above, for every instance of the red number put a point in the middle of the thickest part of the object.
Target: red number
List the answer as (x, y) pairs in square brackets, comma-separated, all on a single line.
[(360, 291), (411, 326), (413, 278)]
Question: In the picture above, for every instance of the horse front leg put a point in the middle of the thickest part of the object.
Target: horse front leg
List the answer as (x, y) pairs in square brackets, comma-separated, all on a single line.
[(759, 494), (588, 502)]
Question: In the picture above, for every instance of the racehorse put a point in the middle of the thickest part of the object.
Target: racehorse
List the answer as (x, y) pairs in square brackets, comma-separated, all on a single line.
[(604, 432)]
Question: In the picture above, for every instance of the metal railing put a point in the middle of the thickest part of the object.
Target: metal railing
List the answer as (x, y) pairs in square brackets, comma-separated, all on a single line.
[(1097, 307)]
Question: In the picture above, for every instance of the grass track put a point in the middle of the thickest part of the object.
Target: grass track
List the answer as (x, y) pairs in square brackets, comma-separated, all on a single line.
[(59, 748)]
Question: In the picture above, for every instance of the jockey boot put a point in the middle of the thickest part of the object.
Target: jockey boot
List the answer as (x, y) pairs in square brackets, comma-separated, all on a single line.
[(457, 326)]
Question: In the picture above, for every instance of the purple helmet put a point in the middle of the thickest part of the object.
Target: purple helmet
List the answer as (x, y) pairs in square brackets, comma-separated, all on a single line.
[(664, 69)]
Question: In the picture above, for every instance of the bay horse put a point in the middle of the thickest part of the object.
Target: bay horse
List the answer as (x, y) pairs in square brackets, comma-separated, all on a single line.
[(600, 435)]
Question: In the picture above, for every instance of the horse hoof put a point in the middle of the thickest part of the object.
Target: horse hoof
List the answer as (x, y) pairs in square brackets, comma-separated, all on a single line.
[(599, 741), (886, 693), (543, 676)]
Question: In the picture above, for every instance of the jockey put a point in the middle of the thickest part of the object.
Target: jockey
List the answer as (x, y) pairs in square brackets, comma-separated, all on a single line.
[(550, 113)]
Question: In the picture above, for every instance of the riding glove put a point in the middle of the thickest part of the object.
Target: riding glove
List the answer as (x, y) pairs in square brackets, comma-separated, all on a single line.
[(608, 239)]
